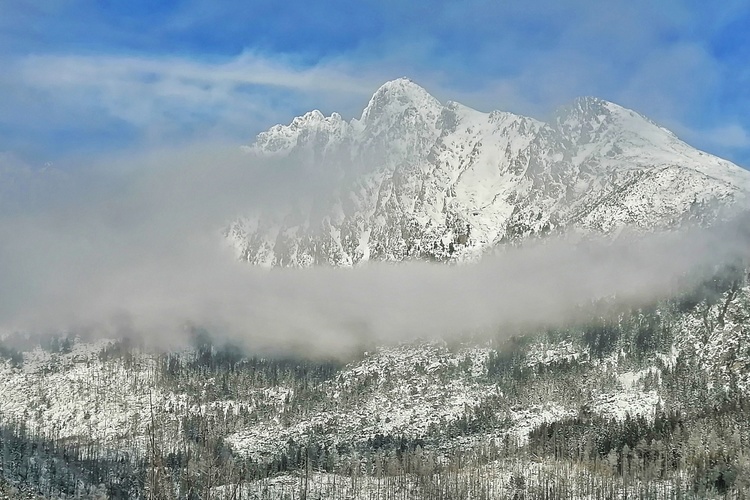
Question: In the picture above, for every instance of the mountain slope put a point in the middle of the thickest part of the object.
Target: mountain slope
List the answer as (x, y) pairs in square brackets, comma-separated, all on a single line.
[(591, 398), (421, 179)]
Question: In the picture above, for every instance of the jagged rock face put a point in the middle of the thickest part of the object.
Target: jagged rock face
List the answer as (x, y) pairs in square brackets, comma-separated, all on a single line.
[(421, 179)]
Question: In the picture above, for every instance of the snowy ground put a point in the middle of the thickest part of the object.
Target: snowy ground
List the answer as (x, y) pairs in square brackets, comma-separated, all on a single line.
[(410, 390)]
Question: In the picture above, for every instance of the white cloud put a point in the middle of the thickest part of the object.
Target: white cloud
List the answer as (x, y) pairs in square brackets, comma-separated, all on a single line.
[(732, 135), (157, 94)]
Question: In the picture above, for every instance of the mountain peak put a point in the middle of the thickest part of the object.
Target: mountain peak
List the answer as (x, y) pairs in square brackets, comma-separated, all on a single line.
[(590, 101), (589, 107), (309, 117), (396, 96), (594, 120), (585, 107), (400, 86)]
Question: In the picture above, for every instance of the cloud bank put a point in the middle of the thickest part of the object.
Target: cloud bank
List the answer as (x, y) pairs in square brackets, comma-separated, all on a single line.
[(139, 252)]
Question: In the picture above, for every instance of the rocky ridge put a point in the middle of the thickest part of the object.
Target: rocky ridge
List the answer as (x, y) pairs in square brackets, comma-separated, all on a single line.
[(416, 178)]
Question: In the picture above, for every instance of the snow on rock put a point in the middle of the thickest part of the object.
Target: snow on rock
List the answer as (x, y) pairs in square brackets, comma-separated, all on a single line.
[(422, 179)]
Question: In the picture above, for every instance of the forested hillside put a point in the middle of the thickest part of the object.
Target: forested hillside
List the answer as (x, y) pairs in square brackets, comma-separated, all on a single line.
[(647, 402)]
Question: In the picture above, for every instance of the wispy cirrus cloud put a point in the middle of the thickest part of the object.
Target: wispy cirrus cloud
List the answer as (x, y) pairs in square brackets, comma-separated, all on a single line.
[(246, 69), (163, 96)]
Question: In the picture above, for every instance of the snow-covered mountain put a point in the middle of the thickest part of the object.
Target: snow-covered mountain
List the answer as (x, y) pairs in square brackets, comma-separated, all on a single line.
[(422, 179)]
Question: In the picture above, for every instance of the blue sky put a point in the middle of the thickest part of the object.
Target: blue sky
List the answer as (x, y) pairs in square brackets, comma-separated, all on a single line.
[(91, 77)]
